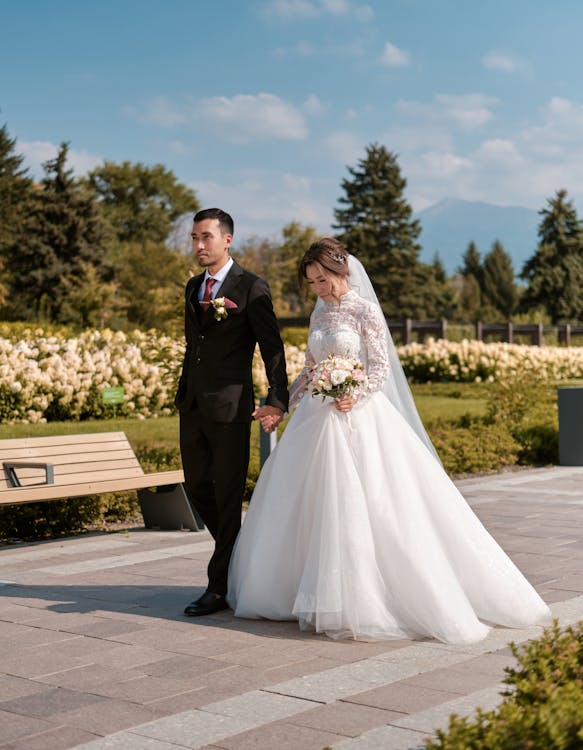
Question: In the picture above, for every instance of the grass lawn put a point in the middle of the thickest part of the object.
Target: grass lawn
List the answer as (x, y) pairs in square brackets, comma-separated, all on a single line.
[(450, 400), (434, 400)]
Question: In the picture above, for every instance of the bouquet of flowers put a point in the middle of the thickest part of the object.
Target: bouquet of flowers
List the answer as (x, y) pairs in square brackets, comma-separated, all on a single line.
[(336, 376)]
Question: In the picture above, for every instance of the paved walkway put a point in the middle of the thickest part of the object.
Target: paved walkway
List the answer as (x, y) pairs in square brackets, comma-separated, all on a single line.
[(95, 651)]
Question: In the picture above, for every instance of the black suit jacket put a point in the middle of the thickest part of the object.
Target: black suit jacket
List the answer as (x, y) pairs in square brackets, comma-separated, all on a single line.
[(217, 369)]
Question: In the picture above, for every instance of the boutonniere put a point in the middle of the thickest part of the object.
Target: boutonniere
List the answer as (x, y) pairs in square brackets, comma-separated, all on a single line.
[(220, 307)]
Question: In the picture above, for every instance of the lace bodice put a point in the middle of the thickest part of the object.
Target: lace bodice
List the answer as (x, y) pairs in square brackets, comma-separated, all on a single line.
[(352, 327)]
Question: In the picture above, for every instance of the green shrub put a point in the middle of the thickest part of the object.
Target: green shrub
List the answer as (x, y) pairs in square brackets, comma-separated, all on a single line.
[(471, 446), (527, 406), (541, 710), (294, 336)]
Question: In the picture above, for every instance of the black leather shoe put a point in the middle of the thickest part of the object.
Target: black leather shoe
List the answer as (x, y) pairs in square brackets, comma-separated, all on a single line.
[(206, 605)]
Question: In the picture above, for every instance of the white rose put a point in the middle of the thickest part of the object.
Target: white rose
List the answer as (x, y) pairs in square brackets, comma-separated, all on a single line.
[(338, 377)]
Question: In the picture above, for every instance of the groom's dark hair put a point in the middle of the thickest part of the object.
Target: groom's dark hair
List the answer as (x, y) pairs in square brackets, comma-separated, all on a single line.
[(226, 222)]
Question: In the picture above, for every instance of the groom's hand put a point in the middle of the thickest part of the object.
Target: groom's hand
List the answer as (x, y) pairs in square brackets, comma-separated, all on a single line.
[(268, 416)]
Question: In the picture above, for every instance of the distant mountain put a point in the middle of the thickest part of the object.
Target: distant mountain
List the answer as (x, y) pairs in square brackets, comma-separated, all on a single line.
[(450, 225)]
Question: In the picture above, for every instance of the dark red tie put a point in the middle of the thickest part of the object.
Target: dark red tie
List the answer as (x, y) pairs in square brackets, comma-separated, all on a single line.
[(208, 289)]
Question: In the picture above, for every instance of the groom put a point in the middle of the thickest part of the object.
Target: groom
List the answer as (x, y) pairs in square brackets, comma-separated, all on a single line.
[(215, 391)]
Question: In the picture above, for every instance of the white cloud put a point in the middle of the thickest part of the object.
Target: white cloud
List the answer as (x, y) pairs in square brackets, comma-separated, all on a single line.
[(467, 111), (179, 147), (364, 13), (286, 10), (344, 146), (246, 117), (162, 112), (394, 57), (501, 151), (313, 106), (446, 164), (336, 7), (268, 201), (503, 62), (36, 153)]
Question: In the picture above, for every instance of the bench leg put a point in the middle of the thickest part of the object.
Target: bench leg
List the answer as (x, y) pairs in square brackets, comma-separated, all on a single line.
[(168, 508)]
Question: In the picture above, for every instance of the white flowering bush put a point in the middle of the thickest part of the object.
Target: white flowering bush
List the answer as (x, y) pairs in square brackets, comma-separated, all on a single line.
[(476, 361), (50, 377), (55, 375)]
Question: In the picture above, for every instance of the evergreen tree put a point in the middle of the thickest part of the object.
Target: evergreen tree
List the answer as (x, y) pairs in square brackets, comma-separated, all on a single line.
[(499, 287), (376, 224), (62, 233), (470, 299), (472, 264), (554, 273), (15, 190)]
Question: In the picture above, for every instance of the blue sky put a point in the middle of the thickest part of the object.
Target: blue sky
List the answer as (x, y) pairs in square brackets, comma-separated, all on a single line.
[(260, 105)]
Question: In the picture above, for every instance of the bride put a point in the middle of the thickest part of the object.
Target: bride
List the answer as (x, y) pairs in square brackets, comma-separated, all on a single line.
[(354, 528)]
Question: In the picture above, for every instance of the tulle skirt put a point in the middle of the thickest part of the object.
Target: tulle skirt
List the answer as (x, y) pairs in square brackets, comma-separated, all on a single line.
[(355, 530)]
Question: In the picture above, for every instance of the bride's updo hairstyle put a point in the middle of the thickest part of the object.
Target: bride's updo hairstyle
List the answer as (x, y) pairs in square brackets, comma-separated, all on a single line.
[(330, 254)]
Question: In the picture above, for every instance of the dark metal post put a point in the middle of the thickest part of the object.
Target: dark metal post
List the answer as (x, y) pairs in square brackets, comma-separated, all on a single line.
[(570, 426), (267, 441)]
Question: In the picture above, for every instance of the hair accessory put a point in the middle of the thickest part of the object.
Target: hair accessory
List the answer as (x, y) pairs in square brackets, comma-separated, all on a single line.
[(338, 257)]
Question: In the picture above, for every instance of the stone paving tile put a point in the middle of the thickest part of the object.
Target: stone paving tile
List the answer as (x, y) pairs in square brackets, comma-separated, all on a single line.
[(129, 741), (89, 678), (212, 688), (274, 675), (385, 738), (264, 657), (348, 719), (146, 689), (108, 716), (194, 729), (492, 664), (59, 738), (49, 702), (401, 698), (17, 687), (13, 726), (25, 637), (280, 735), (437, 717), (101, 627), (40, 663), (183, 666), (452, 681), (259, 707)]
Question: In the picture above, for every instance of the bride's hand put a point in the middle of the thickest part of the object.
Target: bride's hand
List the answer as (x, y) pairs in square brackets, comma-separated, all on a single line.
[(344, 403)]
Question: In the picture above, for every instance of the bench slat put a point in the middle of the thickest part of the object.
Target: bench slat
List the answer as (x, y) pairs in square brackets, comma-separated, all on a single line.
[(20, 495), (76, 440), (64, 455)]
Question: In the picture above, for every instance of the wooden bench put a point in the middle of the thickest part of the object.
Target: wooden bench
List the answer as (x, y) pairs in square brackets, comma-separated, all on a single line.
[(65, 466)]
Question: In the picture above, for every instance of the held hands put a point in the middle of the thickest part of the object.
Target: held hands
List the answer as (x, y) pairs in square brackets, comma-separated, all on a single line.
[(344, 403), (269, 417)]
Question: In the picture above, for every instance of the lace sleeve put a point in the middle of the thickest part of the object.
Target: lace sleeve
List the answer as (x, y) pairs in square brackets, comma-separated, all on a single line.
[(377, 354), (298, 387)]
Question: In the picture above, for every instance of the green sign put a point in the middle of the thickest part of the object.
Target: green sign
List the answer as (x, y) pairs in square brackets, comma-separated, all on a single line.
[(112, 395)]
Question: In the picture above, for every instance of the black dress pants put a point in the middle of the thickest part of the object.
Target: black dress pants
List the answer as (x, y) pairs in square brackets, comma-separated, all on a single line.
[(215, 458)]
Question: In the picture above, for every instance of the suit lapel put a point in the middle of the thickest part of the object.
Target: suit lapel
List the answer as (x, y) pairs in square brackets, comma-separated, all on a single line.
[(225, 290), (192, 301)]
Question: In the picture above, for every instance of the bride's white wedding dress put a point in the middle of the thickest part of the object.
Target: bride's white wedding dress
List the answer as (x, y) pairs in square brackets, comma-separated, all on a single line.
[(355, 529)]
